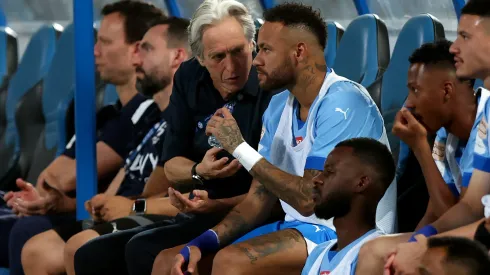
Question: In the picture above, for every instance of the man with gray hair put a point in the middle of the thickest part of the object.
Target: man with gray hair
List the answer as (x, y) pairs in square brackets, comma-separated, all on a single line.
[(221, 38), (301, 127)]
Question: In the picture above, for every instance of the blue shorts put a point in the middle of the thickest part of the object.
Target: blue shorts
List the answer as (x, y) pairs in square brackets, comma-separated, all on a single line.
[(313, 234)]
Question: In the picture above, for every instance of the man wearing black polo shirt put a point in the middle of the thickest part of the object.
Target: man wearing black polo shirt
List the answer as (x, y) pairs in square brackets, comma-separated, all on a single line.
[(163, 48), (221, 75), (123, 25)]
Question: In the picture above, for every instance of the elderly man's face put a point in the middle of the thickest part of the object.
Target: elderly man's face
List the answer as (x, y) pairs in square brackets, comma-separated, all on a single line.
[(227, 55)]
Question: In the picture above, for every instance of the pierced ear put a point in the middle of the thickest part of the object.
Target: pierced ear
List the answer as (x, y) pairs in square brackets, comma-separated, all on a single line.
[(363, 183)]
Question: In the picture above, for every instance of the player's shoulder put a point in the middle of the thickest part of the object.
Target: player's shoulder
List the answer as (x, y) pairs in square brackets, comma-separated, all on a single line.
[(347, 92), (277, 103)]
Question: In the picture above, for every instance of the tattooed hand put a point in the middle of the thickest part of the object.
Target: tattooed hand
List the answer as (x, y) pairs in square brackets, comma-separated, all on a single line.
[(224, 127)]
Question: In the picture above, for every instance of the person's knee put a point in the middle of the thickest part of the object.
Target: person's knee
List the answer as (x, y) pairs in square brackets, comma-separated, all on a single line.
[(230, 260), (77, 241), (34, 256), (32, 252), (164, 262)]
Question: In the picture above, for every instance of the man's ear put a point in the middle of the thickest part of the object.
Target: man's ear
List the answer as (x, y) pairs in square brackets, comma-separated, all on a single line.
[(135, 53), (448, 91), (179, 55), (362, 184)]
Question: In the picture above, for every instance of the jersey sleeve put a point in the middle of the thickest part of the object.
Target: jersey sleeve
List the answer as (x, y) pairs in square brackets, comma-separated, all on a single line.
[(481, 159), (343, 113), (180, 131)]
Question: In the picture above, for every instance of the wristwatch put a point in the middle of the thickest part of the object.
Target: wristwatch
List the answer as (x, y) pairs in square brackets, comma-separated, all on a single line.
[(139, 207), (197, 178)]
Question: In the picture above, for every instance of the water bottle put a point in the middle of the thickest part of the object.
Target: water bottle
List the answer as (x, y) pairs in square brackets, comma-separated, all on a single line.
[(213, 141)]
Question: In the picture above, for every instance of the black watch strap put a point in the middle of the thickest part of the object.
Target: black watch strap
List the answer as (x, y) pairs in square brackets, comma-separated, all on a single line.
[(195, 176)]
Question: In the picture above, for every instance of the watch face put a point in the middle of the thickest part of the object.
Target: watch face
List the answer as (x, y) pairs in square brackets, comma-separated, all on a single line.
[(139, 206)]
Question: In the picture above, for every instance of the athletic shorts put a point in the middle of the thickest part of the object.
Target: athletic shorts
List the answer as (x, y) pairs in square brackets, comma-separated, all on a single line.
[(313, 234), (68, 230)]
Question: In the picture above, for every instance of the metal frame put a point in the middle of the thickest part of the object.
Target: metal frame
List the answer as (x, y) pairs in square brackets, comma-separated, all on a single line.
[(458, 6), (362, 7), (267, 4), (85, 110), (3, 18), (173, 8)]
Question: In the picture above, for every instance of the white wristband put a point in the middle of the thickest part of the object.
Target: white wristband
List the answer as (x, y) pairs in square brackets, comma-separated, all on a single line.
[(246, 155)]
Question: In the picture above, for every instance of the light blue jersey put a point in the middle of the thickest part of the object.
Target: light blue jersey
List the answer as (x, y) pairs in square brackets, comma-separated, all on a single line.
[(454, 158), (481, 160), (342, 110), (324, 259), (342, 114)]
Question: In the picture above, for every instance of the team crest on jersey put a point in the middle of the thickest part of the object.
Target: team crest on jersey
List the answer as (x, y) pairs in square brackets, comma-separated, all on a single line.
[(439, 151), (299, 140), (324, 272)]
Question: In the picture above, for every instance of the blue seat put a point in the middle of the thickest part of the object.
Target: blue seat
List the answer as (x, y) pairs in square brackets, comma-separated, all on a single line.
[(335, 31), (109, 95), (478, 84), (58, 91), (391, 90), (8, 66), (8, 55), (24, 101), (364, 50)]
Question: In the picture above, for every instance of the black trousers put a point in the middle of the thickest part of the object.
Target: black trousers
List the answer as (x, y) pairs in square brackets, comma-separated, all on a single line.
[(133, 251)]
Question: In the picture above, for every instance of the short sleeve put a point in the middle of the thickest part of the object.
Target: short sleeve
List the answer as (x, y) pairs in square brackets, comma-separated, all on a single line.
[(344, 113), (481, 160), (179, 133)]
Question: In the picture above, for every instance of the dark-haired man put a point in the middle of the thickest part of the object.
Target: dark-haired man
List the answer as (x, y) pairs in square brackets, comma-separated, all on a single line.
[(116, 55), (163, 48), (438, 101), (446, 255), (300, 127), (356, 175), (221, 37), (471, 50)]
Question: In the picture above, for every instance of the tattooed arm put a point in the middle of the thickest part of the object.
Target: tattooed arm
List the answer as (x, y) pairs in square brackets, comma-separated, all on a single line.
[(296, 191), (253, 210)]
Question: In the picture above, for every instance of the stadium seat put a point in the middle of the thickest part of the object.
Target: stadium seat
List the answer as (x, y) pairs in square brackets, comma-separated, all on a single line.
[(109, 95), (478, 84), (8, 66), (8, 55), (391, 92), (334, 34), (24, 100), (57, 96), (364, 50)]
